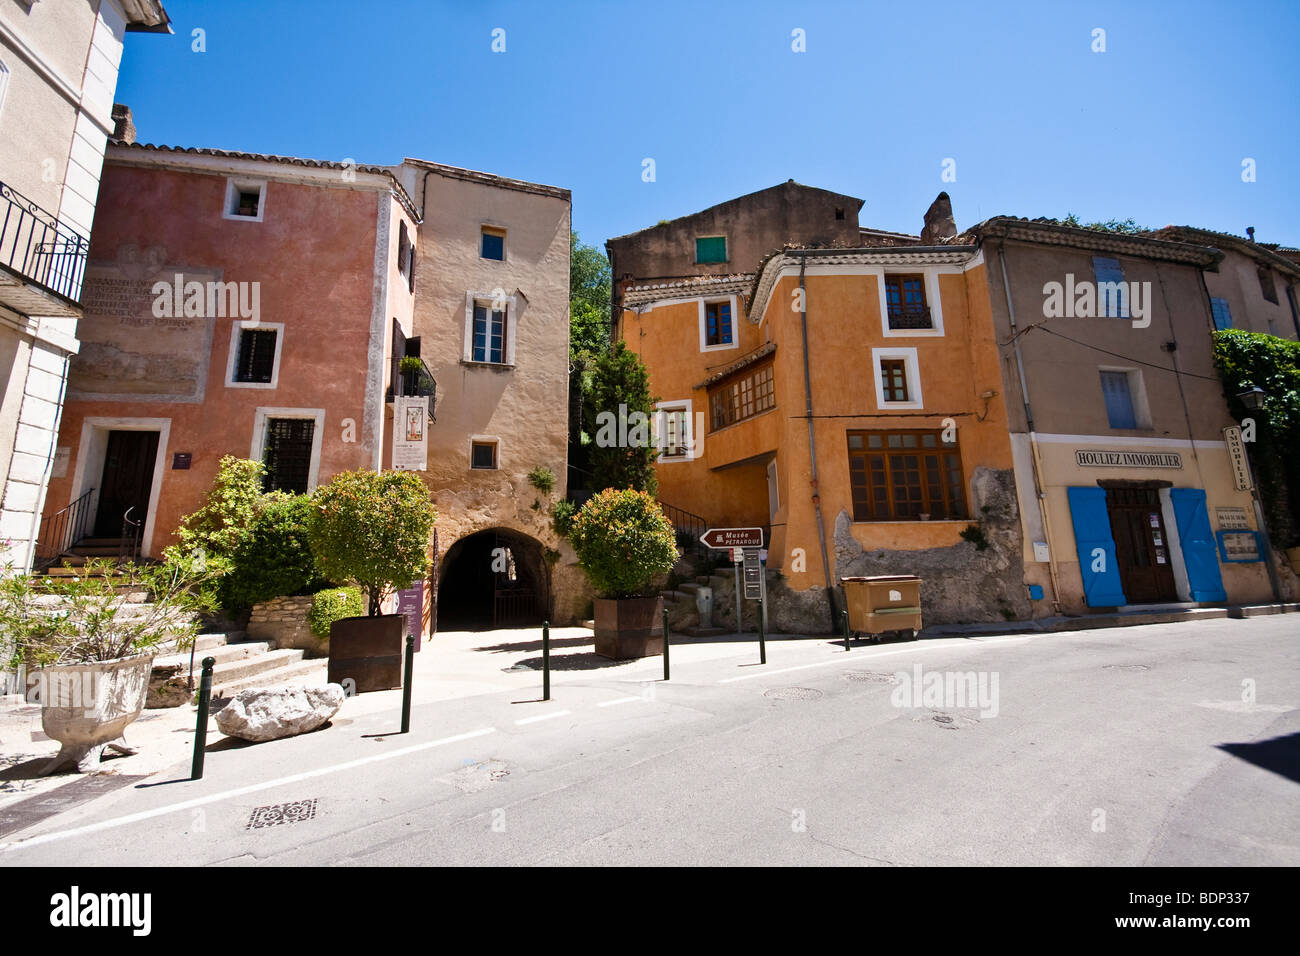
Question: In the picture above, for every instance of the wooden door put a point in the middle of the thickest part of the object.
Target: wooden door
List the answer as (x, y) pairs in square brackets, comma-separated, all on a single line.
[(1141, 545), (127, 479)]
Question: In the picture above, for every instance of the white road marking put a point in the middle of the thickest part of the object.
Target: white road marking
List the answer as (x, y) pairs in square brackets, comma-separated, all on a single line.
[(848, 658), (534, 719), (239, 792), (619, 700)]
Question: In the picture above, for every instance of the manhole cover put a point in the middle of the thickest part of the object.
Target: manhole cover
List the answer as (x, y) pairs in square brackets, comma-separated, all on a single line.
[(1126, 667), (280, 813), (870, 677), (792, 693)]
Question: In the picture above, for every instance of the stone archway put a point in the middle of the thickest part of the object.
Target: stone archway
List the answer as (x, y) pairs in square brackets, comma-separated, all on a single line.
[(497, 577)]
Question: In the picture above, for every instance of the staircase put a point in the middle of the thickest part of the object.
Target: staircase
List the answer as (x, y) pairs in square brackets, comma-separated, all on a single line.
[(683, 614), (241, 663), (68, 563)]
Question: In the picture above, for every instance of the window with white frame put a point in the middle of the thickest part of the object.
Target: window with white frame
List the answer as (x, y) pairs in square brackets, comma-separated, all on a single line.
[(254, 360), (674, 433), (718, 324), (288, 442), (489, 328), (245, 199), (898, 378), (910, 304)]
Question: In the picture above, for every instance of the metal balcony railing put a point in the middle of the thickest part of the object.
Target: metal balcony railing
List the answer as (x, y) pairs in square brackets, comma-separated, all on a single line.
[(34, 244), (910, 317), (418, 382)]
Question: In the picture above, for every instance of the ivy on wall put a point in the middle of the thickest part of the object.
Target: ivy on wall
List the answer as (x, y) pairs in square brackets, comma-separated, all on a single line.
[(1247, 360)]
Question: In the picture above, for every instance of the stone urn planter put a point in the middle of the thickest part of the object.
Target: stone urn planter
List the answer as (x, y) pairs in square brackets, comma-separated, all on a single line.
[(87, 707), (366, 652), (628, 628)]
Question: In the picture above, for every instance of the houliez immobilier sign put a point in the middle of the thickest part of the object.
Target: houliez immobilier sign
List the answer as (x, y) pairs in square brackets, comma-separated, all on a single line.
[(1097, 457)]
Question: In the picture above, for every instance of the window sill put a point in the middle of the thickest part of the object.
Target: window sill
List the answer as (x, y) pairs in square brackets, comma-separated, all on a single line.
[(502, 366), (271, 384)]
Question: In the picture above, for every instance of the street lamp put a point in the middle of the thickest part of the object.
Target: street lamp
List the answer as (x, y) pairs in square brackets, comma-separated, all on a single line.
[(1254, 400)]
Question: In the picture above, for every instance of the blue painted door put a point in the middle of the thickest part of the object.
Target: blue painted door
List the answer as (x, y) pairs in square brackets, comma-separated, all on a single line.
[(1197, 540), (1096, 547)]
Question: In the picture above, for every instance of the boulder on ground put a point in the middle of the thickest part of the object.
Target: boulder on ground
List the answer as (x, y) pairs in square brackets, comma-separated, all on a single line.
[(268, 713)]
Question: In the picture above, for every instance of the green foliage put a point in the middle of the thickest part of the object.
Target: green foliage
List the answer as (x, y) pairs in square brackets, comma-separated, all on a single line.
[(275, 557), (409, 363), (1127, 227), (333, 604), (562, 513), (619, 383), (221, 526), (543, 479), (1247, 360), (624, 541), (372, 529), (589, 297), (975, 535), (83, 619)]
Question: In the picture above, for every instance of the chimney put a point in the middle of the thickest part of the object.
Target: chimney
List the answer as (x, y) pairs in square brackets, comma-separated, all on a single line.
[(123, 128), (1250, 231), (939, 224)]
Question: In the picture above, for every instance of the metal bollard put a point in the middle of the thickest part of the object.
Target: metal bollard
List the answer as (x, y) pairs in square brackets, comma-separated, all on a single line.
[(546, 660), (844, 623), (665, 643), (762, 635), (201, 727), (406, 684)]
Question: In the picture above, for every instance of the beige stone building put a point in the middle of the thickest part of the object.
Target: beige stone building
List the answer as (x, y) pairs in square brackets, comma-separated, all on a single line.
[(58, 73), (492, 322), (1117, 418)]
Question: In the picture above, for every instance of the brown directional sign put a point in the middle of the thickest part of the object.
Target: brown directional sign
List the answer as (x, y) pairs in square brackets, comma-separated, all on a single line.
[(733, 538)]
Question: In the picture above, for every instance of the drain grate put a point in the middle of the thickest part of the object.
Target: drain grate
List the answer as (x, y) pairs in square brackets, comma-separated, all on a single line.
[(793, 693), (277, 814), (870, 677)]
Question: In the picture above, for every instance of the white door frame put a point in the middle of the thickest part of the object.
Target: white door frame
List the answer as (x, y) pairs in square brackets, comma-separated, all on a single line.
[(90, 463)]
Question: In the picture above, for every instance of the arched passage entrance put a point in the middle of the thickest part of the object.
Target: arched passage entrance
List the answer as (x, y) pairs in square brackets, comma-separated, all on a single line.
[(493, 578)]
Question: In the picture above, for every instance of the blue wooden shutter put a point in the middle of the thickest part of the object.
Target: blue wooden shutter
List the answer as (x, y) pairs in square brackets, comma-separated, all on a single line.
[(1199, 553), (1092, 531)]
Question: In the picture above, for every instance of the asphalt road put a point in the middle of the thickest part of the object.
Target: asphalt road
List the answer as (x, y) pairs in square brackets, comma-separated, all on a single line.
[(1137, 745)]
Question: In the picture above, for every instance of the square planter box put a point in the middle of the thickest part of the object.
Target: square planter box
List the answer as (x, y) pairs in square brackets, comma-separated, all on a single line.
[(367, 650), (629, 627)]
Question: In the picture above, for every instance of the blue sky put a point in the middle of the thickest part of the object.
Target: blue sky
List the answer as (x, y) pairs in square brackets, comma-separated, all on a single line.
[(1155, 128)]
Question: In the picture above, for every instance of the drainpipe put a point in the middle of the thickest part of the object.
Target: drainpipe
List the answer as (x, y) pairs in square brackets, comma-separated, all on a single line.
[(812, 440), (1035, 462)]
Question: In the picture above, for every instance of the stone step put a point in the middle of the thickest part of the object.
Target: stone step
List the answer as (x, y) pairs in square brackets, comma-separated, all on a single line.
[(96, 550), (314, 670), (237, 670), (202, 642), (223, 654)]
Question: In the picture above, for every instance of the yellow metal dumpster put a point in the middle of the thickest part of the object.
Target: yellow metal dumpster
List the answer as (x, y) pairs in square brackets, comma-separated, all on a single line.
[(887, 602)]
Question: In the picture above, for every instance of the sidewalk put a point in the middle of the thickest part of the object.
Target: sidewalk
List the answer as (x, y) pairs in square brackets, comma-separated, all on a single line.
[(1121, 617)]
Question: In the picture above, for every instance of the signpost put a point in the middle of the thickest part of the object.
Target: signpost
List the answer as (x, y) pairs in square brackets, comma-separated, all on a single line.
[(410, 433), (745, 545)]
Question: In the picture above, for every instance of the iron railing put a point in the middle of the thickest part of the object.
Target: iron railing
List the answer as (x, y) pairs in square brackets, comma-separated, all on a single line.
[(61, 530), (419, 382), (129, 548), (910, 317), (689, 527), (36, 245)]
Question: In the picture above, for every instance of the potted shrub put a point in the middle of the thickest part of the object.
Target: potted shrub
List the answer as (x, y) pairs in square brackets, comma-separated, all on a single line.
[(624, 541), (371, 529), (88, 650)]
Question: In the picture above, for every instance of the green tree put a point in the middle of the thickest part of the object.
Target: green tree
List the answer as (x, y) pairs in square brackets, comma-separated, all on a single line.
[(589, 297), (623, 541), (1126, 226), (1247, 360), (372, 529), (618, 416)]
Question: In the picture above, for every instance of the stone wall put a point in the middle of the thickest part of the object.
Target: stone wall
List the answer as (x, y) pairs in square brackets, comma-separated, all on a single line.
[(283, 622), (961, 584)]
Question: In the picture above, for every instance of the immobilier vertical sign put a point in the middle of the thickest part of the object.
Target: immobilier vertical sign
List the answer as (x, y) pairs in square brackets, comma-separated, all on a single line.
[(1237, 456)]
